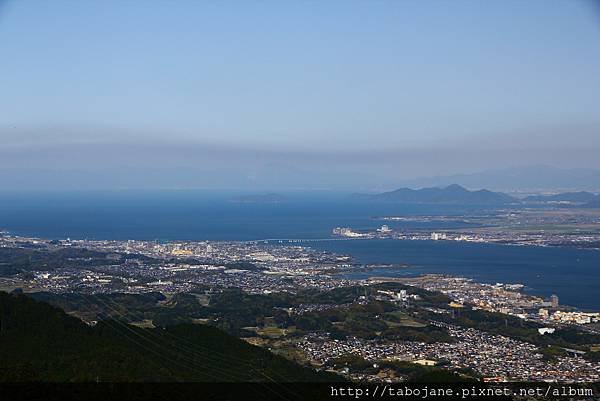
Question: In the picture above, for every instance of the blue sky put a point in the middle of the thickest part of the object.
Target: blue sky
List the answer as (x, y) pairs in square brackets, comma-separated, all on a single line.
[(231, 92)]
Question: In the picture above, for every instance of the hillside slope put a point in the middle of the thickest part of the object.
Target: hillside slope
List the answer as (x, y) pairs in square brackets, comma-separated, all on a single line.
[(39, 342)]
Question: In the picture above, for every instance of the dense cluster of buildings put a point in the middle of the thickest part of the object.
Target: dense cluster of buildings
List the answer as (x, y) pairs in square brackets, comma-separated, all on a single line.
[(494, 357), (255, 267), (499, 297), (574, 317)]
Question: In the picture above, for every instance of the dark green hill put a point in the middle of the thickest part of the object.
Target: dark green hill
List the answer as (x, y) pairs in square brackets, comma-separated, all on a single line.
[(39, 342)]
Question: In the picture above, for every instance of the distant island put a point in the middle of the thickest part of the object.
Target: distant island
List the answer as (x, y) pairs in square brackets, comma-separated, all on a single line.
[(259, 198), (452, 194)]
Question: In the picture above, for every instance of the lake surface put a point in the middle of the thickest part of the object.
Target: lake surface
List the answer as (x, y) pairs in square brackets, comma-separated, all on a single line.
[(574, 275), (193, 215)]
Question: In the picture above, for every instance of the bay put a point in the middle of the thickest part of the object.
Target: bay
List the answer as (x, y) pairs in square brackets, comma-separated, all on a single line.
[(572, 274)]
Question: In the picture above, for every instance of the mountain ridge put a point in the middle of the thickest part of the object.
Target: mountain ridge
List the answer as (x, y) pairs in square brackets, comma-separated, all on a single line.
[(453, 194), (528, 178)]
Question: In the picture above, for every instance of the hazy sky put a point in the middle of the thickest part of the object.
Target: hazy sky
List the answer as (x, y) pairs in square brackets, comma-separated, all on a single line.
[(292, 94)]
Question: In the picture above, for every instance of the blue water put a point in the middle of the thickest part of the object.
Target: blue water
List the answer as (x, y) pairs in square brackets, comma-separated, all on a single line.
[(574, 275), (191, 215)]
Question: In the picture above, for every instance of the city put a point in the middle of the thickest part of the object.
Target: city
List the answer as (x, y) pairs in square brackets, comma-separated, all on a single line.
[(400, 323)]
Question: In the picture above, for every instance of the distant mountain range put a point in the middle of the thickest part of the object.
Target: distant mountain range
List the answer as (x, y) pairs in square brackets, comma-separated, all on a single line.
[(456, 194), (525, 178), (452, 194), (572, 197)]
